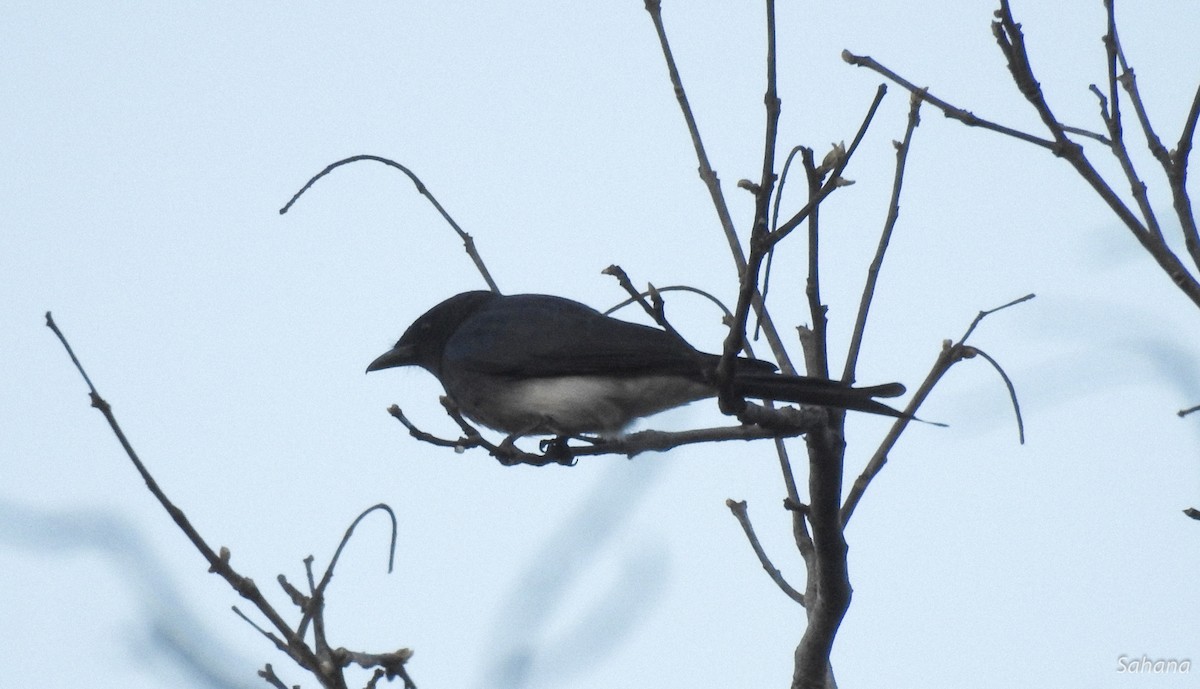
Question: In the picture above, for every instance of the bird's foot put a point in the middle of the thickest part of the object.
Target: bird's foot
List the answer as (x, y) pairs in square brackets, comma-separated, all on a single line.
[(508, 453), (557, 450)]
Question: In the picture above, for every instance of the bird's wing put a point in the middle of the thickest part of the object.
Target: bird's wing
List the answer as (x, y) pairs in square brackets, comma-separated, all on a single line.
[(535, 335)]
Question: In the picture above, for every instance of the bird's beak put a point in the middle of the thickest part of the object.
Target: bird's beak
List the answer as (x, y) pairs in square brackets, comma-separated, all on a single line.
[(400, 355)]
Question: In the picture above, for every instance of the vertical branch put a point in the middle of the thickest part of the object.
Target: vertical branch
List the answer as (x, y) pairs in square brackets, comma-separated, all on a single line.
[(1011, 40), (764, 223), (828, 592), (765, 188), (707, 174), (818, 349), (771, 100), (711, 181), (729, 402), (826, 448), (1116, 132), (1012, 43), (864, 306), (1177, 176), (1175, 172), (793, 504)]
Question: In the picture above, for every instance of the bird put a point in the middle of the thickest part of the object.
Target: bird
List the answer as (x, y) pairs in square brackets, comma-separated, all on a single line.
[(537, 364)]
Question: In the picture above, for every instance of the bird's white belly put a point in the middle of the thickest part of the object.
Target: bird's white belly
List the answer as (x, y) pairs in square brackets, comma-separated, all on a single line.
[(570, 405)]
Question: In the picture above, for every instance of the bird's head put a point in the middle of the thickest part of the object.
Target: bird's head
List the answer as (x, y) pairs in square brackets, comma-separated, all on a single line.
[(425, 340)]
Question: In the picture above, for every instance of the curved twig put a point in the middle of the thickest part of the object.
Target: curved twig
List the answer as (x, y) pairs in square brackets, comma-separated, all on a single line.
[(468, 240), (951, 354), (1012, 391), (318, 591), (726, 313)]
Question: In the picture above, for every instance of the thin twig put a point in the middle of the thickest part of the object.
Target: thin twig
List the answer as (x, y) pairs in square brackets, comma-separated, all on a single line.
[(953, 112), (760, 423), (1012, 391), (764, 190), (885, 238), (268, 674), (727, 314), (1112, 119), (1178, 181), (656, 311), (984, 314), (739, 511), (279, 644), (318, 591), (1088, 134), (951, 353), (713, 184), (1011, 40), (816, 343), (217, 564), (654, 7), (783, 176), (835, 179), (468, 240), (424, 437), (287, 640), (773, 105), (792, 502)]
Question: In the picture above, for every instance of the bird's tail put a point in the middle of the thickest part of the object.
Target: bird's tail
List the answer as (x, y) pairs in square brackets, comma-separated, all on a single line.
[(819, 392)]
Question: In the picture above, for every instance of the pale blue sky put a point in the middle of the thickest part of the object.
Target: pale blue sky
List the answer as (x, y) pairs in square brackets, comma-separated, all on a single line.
[(149, 146)]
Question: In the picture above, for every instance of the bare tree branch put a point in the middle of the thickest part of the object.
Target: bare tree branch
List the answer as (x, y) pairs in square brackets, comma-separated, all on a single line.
[(709, 176), (1112, 119), (1011, 40), (952, 353), (951, 111), (759, 423), (826, 447), (324, 668), (1177, 177), (1176, 173)]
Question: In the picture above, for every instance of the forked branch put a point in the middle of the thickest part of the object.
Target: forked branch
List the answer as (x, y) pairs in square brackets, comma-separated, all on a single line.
[(323, 663)]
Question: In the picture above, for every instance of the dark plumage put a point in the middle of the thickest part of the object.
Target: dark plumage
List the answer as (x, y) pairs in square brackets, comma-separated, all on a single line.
[(537, 364)]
